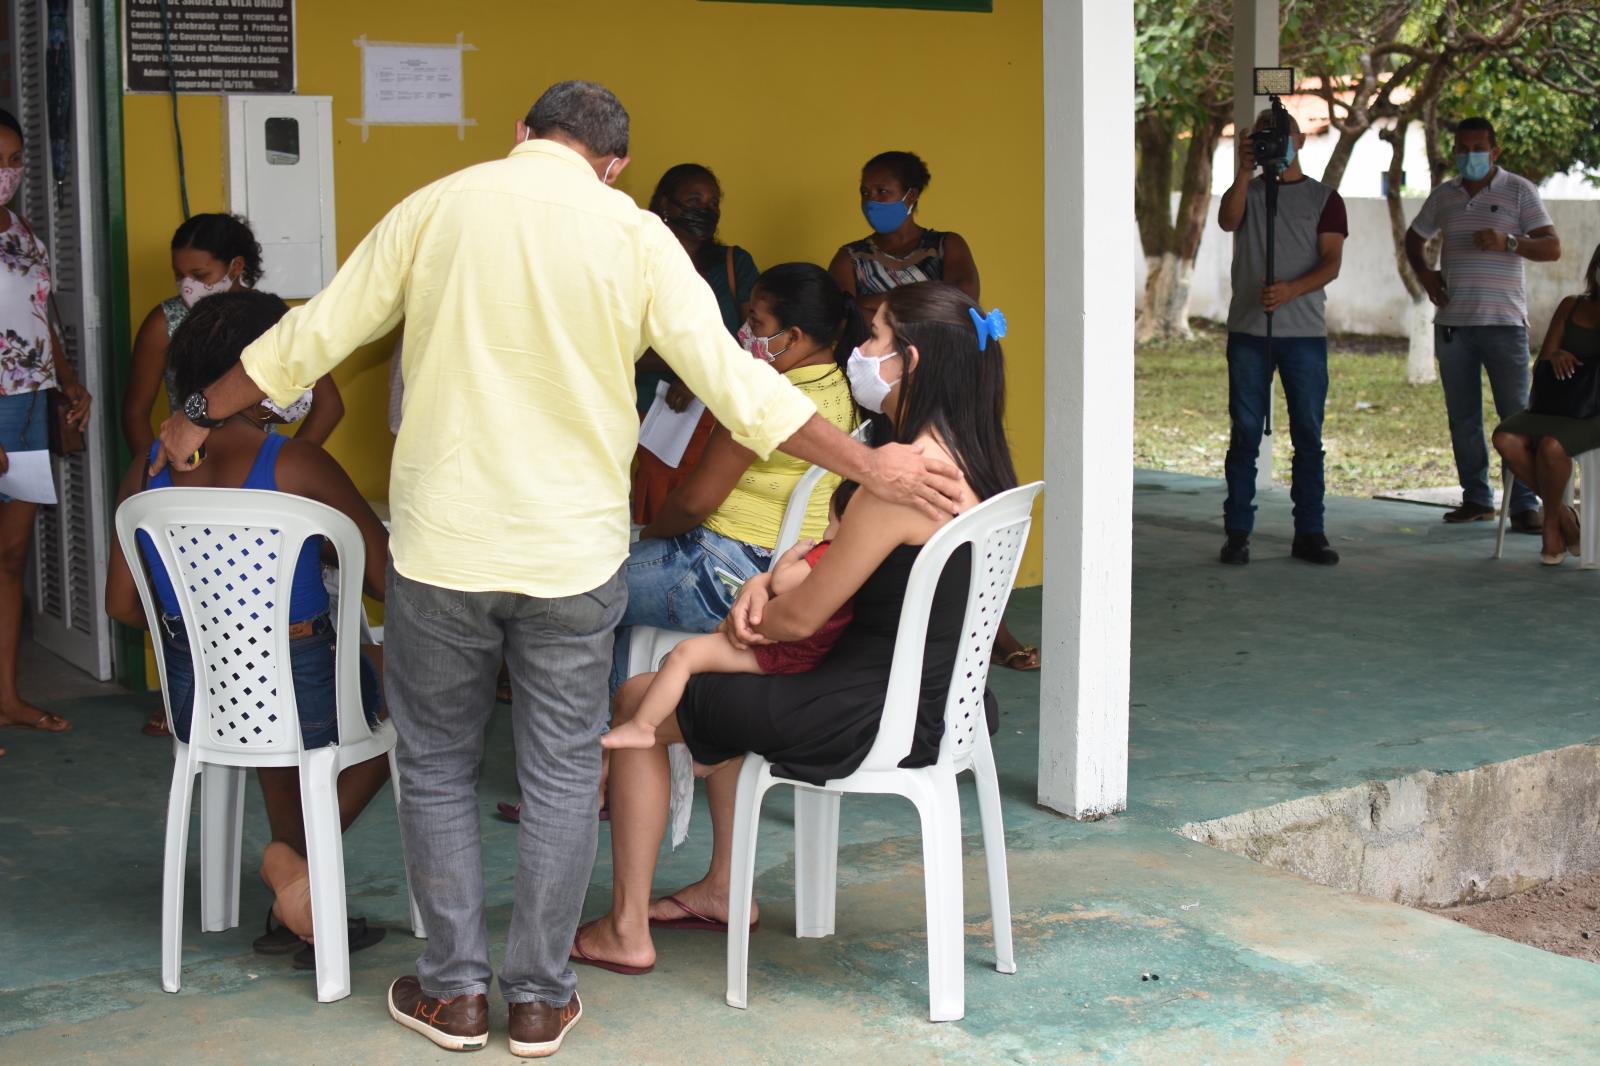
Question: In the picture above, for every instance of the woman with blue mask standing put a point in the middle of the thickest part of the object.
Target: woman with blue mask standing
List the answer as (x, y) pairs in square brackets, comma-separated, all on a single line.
[(900, 251)]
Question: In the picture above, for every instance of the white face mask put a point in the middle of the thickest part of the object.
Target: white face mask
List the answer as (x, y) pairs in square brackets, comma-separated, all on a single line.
[(295, 412), (866, 379), (10, 180), (193, 291)]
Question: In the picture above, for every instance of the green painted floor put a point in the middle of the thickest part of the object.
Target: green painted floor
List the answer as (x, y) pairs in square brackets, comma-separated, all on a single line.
[(1250, 686)]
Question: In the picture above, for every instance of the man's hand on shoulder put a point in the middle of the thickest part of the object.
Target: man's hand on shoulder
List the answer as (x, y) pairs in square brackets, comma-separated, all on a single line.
[(900, 473)]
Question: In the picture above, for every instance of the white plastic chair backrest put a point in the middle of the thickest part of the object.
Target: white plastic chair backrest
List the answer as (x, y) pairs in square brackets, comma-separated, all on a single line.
[(997, 529), (231, 554), (794, 512)]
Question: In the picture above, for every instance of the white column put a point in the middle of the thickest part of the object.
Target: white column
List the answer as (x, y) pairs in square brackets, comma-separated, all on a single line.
[(1255, 44), (1088, 503)]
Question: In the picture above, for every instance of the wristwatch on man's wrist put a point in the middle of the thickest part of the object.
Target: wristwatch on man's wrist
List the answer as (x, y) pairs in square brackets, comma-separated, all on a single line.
[(194, 409), (1511, 242)]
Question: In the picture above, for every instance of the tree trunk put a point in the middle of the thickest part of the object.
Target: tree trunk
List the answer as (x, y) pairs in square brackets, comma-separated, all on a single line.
[(1419, 319), (1164, 308), (1420, 367)]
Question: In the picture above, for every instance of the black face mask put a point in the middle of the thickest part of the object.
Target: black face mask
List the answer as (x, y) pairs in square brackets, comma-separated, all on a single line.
[(697, 222)]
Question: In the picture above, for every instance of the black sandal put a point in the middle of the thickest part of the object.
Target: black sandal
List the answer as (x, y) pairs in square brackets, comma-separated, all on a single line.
[(362, 936), (279, 939)]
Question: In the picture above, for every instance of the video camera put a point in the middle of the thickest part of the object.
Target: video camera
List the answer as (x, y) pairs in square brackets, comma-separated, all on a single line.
[(1273, 146)]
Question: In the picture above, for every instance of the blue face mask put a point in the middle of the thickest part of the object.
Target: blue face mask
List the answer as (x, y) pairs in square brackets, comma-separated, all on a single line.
[(885, 217), (1474, 166)]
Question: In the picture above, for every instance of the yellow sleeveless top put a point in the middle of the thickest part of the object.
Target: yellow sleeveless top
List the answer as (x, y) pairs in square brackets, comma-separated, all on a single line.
[(754, 509)]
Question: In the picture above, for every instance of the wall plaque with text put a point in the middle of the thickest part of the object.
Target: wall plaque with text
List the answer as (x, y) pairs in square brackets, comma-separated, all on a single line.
[(217, 46)]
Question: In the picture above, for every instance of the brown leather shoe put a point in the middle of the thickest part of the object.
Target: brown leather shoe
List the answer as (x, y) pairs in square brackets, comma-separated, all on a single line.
[(460, 1023), (1471, 512), (537, 1029), (1529, 521)]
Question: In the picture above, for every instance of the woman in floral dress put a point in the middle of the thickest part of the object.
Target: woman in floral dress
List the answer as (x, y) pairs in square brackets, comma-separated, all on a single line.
[(31, 361)]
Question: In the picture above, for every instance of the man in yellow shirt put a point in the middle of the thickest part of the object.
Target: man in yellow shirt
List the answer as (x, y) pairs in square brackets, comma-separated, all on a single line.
[(528, 288)]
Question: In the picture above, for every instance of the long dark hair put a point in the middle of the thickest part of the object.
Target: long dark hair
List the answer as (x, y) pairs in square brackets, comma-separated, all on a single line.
[(1591, 284), (956, 391), (226, 237), (805, 295), (713, 250), (216, 333)]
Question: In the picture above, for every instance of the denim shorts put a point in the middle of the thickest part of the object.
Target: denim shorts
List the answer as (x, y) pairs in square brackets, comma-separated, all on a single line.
[(686, 583), (311, 663), (23, 424)]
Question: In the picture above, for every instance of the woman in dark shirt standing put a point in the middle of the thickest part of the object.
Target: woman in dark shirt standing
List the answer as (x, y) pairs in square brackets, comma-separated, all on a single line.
[(1563, 415), (688, 199)]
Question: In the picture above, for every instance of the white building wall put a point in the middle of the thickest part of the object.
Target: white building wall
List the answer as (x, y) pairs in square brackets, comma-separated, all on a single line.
[(1368, 296)]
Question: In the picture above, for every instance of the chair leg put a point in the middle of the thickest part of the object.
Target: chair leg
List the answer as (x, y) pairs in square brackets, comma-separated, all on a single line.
[(173, 862), (417, 928), (816, 862), (1505, 510), (319, 804), (221, 844), (1589, 511), (940, 811), (994, 852), (741, 879)]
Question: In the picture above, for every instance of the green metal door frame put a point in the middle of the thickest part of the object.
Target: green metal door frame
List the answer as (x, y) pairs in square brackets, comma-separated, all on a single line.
[(128, 644)]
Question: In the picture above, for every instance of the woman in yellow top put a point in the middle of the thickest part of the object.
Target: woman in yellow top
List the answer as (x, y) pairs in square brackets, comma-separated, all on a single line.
[(718, 528)]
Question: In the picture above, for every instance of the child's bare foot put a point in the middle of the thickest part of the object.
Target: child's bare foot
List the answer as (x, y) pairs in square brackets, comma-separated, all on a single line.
[(286, 873), (630, 734)]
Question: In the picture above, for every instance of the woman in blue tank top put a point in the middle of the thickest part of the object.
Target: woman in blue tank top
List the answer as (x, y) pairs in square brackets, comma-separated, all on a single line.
[(244, 453)]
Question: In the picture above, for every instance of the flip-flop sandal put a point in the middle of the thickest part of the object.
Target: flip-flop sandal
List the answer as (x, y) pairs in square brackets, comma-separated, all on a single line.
[(362, 936), (583, 958), (279, 939), (693, 919), (1024, 659), (47, 722), (156, 725)]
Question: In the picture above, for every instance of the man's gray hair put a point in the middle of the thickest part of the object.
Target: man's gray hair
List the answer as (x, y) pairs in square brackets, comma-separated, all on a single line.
[(587, 112)]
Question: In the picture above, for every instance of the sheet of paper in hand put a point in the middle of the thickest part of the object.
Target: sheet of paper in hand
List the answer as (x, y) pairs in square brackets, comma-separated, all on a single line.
[(28, 478), (665, 432)]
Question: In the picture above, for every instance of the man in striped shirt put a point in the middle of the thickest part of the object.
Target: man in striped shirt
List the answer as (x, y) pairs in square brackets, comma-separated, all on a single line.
[(1492, 220)]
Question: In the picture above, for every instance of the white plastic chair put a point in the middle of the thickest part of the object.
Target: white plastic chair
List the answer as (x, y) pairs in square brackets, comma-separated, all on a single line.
[(1585, 466), (234, 553), (997, 530), (649, 645)]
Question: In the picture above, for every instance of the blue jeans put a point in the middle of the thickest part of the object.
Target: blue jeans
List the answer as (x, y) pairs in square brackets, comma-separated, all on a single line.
[(22, 424), (687, 583), (1302, 366), (311, 664), (1464, 353)]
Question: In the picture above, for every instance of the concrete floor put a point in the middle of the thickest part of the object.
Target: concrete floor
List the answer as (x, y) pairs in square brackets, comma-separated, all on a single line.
[(1251, 686)]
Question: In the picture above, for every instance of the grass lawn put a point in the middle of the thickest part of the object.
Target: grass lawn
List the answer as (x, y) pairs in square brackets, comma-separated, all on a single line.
[(1379, 433)]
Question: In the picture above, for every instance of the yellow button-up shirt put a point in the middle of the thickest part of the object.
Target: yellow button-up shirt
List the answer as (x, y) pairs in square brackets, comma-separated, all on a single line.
[(528, 290)]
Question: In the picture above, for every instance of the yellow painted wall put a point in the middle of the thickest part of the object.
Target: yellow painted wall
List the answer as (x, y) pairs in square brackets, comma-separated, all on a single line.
[(784, 102)]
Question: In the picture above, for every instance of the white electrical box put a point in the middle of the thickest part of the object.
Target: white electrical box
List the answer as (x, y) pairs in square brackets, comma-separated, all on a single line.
[(280, 178)]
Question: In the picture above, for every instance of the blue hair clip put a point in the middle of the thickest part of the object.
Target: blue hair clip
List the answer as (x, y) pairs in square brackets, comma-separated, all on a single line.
[(991, 325)]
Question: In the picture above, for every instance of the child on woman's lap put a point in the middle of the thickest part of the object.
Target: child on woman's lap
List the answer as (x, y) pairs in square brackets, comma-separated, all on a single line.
[(713, 654)]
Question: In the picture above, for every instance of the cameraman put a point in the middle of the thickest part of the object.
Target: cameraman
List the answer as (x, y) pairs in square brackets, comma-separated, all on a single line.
[(1311, 229)]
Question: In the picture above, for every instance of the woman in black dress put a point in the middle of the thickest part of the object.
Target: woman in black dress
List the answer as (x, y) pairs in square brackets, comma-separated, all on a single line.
[(923, 368), (1563, 415)]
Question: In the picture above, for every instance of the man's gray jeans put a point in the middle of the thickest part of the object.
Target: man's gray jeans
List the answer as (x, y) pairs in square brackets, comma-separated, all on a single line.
[(442, 654)]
